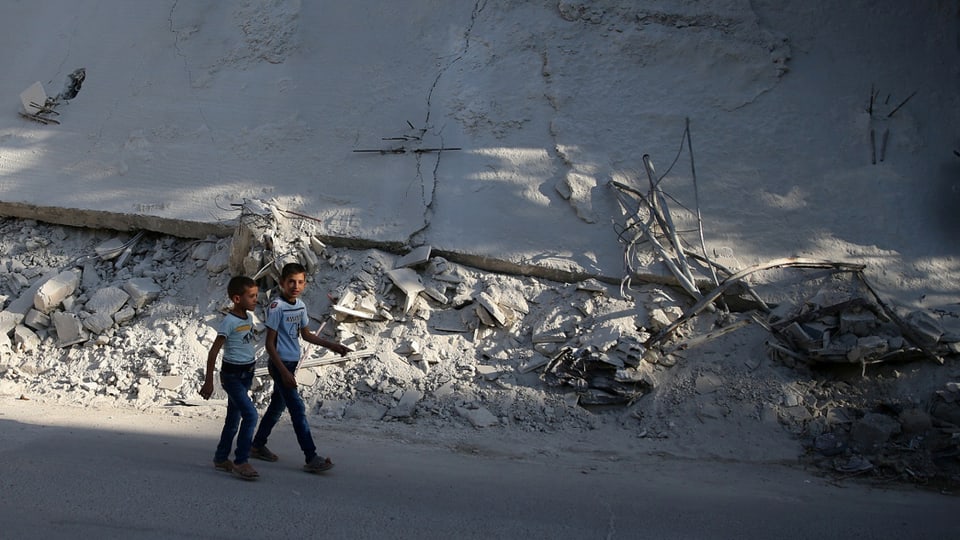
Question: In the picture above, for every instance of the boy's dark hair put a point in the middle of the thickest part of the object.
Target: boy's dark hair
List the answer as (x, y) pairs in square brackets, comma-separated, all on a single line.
[(290, 269), (238, 285)]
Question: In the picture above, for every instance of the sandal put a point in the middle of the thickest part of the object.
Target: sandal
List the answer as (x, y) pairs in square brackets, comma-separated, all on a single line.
[(318, 464), (225, 465), (262, 452), (246, 471)]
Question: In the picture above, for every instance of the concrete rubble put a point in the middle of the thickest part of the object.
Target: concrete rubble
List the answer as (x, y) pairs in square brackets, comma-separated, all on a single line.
[(436, 339)]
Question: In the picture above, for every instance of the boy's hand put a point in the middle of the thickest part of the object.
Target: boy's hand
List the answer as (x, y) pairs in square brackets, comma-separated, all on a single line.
[(288, 379), (338, 348), (207, 389)]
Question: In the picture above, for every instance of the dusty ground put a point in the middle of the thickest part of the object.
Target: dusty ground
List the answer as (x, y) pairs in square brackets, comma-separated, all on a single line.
[(445, 372)]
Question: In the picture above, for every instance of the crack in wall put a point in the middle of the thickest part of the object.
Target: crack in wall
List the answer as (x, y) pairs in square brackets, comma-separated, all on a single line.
[(429, 202)]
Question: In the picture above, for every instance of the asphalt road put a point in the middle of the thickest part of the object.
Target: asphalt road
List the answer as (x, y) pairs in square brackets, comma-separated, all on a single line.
[(111, 479)]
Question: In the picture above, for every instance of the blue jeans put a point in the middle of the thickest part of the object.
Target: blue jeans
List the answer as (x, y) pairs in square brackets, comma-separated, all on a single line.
[(290, 399), (239, 407)]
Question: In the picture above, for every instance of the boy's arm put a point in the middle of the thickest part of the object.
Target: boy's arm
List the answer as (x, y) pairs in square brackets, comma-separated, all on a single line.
[(288, 379), (338, 348), (207, 389)]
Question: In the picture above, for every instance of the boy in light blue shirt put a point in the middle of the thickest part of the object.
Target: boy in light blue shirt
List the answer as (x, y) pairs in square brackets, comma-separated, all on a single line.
[(235, 336), (286, 323)]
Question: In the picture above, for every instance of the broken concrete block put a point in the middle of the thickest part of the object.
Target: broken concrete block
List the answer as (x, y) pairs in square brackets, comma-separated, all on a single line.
[(868, 348), (448, 277), (478, 417), (408, 348), (69, 328), (317, 246), (535, 361), (661, 318), (9, 320), (407, 405), (24, 339), (98, 323), (218, 261), (364, 410), (53, 291), (592, 285), (306, 377), (488, 373), (19, 280), (309, 260), (349, 306), (407, 281), (170, 382), (927, 328), (124, 315), (485, 318), (107, 300), (141, 291), (332, 408), (251, 262), (435, 294), (858, 323), (89, 278), (800, 337), (24, 303), (416, 257), (203, 250), (488, 304), (36, 320)]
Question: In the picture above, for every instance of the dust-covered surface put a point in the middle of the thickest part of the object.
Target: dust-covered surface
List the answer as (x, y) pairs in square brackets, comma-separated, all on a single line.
[(819, 130), (447, 370), (467, 183)]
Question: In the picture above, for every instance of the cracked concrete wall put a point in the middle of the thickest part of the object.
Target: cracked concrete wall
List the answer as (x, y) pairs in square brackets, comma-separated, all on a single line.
[(191, 107)]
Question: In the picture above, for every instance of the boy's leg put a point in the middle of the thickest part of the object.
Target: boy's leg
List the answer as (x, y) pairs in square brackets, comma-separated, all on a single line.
[(272, 415), (248, 414), (298, 415), (230, 385)]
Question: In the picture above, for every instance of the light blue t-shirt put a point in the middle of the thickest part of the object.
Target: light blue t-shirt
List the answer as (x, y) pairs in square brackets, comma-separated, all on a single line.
[(238, 348), (287, 319)]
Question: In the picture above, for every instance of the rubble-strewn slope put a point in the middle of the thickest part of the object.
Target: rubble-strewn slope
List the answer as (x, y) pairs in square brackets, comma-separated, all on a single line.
[(97, 319)]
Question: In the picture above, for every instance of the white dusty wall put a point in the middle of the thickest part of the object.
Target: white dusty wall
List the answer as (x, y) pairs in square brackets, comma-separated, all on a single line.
[(189, 107)]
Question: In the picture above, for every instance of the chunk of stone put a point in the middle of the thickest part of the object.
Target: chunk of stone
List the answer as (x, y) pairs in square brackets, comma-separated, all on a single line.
[(170, 382), (536, 360), (98, 323), (218, 261), (416, 257), (36, 320), (53, 291), (9, 320), (479, 417), (490, 305), (858, 323), (407, 281), (124, 315), (364, 409), (25, 339), (69, 328), (926, 328), (107, 300), (407, 404), (868, 348), (141, 291)]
